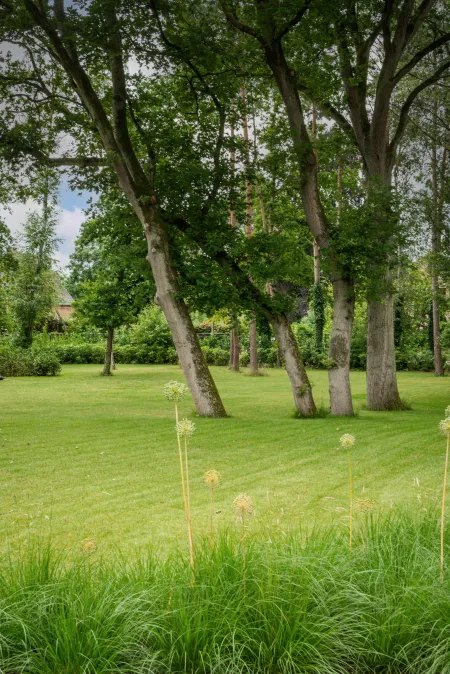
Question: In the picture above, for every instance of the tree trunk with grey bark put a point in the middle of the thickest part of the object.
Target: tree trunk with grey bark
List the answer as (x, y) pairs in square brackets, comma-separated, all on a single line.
[(301, 387), (198, 377), (339, 378), (381, 372), (339, 350), (382, 390), (109, 352)]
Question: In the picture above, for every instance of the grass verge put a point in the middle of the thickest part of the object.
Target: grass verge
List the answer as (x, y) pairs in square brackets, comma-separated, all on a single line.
[(310, 605)]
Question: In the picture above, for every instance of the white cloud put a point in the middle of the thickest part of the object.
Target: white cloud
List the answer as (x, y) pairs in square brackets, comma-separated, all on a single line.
[(67, 230)]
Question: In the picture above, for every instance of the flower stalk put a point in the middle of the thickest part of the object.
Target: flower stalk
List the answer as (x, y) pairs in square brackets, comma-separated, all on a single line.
[(444, 427), (212, 480), (346, 442), (243, 506), (175, 392)]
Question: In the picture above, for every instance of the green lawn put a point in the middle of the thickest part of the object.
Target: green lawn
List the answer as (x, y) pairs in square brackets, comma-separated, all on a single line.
[(86, 456)]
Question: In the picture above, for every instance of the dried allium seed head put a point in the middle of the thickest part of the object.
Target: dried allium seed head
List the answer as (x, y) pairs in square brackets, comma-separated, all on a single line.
[(175, 391), (365, 504), (243, 505), (346, 441), (185, 428), (212, 479), (88, 546), (444, 426)]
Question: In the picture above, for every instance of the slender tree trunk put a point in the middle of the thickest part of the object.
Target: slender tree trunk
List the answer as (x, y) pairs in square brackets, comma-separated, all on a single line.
[(438, 363), (339, 351), (113, 362), (198, 377), (109, 352), (436, 236), (253, 338), (287, 344), (234, 361), (253, 347), (316, 262), (234, 349)]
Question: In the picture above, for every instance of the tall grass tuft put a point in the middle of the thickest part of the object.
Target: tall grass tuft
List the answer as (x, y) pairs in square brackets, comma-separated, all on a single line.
[(309, 606)]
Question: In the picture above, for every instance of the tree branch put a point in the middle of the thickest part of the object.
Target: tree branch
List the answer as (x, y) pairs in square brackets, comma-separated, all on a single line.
[(327, 109), (231, 18), (444, 39), (119, 102), (294, 21), (404, 112), (80, 162)]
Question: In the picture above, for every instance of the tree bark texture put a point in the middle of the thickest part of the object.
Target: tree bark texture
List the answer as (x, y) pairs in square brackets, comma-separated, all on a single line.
[(301, 387), (339, 351), (234, 350), (382, 390), (108, 353)]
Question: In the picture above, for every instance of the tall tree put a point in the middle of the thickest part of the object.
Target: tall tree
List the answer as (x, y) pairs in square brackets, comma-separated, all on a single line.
[(34, 289), (8, 262), (269, 27), (108, 274), (59, 45), (362, 52)]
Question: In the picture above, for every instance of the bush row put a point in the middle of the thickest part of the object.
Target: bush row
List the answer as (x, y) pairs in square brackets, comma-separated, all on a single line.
[(95, 353), (41, 361), (15, 362)]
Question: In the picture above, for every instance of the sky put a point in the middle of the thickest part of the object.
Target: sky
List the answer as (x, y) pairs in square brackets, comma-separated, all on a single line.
[(70, 219)]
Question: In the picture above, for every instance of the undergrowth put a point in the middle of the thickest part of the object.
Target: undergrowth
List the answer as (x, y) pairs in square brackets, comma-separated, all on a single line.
[(310, 606)]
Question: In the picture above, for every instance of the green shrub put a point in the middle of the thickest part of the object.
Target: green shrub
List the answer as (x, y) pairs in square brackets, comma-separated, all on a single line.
[(215, 355), (420, 360), (16, 362), (83, 353)]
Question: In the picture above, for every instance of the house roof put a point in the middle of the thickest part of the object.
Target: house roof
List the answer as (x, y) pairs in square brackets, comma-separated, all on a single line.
[(65, 298)]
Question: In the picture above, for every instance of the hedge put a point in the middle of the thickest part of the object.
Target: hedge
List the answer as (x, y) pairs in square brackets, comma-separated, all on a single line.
[(15, 362)]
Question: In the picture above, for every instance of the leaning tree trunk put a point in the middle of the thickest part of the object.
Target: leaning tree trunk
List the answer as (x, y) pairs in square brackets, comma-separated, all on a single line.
[(339, 351), (198, 377), (109, 352), (382, 390), (311, 201), (287, 344), (253, 338)]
